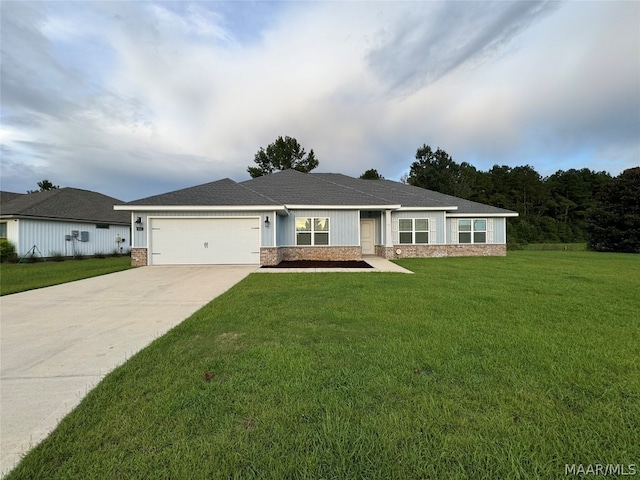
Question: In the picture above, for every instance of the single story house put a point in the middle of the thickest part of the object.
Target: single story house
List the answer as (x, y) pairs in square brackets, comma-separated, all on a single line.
[(66, 221), (291, 215)]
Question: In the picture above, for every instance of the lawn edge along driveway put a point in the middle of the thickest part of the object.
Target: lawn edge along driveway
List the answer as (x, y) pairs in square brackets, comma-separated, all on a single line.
[(58, 342)]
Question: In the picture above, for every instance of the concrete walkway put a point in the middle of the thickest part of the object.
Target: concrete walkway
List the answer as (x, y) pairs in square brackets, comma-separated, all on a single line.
[(379, 264), (57, 343)]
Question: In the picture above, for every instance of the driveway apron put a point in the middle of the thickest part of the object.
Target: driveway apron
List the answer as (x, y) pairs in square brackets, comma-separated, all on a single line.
[(57, 343)]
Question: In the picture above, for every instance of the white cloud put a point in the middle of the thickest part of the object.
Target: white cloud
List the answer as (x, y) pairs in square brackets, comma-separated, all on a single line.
[(135, 97)]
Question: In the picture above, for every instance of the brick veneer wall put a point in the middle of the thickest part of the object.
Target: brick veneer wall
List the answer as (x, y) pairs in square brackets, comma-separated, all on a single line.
[(274, 255), (459, 250), (270, 256), (138, 257)]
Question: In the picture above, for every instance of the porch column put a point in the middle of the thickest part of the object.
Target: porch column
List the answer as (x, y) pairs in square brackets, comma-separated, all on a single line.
[(388, 238)]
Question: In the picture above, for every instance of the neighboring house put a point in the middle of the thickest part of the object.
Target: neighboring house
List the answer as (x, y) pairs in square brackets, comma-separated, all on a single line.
[(291, 215), (66, 221)]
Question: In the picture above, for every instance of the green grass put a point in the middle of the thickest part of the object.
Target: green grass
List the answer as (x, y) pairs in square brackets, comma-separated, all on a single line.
[(574, 247), (18, 277), (479, 368)]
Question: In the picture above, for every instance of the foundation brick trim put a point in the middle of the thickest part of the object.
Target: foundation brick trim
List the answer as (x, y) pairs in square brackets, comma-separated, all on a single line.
[(275, 255), (138, 257), (270, 256), (433, 251)]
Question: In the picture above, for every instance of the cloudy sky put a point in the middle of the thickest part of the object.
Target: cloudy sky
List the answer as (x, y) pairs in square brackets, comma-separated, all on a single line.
[(134, 98)]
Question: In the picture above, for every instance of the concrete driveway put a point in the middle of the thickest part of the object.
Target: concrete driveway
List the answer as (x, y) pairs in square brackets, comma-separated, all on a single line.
[(57, 343)]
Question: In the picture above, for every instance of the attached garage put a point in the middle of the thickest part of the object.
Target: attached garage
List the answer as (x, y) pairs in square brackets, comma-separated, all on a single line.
[(204, 241)]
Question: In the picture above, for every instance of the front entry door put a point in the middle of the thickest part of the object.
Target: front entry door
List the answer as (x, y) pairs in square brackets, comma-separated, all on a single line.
[(367, 236)]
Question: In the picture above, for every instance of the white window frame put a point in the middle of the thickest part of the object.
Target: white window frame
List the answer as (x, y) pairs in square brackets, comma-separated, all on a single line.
[(473, 231), (313, 231), (413, 231)]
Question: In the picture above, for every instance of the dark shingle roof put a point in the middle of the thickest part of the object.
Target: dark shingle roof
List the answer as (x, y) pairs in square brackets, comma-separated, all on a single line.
[(65, 204), (8, 196), (290, 187), (410, 196), (223, 192)]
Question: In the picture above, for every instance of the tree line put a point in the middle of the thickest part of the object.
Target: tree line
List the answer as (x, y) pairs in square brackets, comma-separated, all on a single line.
[(551, 209), (569, 206)]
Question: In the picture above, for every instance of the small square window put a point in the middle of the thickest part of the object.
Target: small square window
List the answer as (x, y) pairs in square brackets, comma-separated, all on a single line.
[(405, 225), (464, 225), (303, 238), (422, 237), (406, 237), (465, 237), (321, 238), (422, 224)]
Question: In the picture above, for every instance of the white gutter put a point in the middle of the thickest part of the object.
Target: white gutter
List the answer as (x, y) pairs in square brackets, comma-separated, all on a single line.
[(343, 207), (427, 208), (482, 215), (187, 208)]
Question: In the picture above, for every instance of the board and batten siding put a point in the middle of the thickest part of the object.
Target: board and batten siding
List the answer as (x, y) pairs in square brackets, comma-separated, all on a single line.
[(49, 237), (436, 224), (344, 227), (267, 234)]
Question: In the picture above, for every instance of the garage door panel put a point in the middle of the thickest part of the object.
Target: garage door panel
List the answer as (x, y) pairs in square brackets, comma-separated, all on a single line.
[(176, 241)]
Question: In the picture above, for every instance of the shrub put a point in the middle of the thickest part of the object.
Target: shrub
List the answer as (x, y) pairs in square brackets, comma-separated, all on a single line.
[(7, 251), (57, 257)]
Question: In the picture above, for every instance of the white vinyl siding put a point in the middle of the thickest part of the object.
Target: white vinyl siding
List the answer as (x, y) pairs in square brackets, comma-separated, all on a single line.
[(49, 237)]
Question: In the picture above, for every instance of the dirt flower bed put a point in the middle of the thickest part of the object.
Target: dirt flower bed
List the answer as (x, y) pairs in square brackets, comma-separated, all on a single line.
[(321, 264)]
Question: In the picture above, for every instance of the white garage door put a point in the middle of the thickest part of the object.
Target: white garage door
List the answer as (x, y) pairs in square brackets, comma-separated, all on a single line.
[(205, 241)]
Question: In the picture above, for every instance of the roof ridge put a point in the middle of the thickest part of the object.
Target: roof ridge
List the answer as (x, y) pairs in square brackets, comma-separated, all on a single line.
[(257, 193), (352, 188)]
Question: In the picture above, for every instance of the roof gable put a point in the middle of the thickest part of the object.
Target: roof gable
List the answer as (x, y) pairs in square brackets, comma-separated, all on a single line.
[(70, 204)]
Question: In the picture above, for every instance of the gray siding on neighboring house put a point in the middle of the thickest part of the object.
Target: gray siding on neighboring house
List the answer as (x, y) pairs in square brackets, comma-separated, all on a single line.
[(436, 224), (266, 233), (49, 237), (344, 226)]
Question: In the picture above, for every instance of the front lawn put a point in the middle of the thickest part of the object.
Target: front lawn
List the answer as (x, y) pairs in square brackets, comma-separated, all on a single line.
[(471, 368), (18, 277)]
